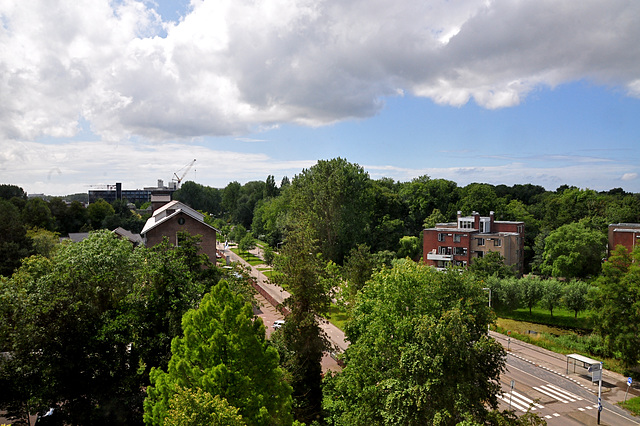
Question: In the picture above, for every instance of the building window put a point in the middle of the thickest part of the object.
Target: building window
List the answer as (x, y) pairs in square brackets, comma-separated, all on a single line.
[(480, 241), (181, 221), (460, 251), (466, 224), (456, 238), (441, 237), (497, 242)]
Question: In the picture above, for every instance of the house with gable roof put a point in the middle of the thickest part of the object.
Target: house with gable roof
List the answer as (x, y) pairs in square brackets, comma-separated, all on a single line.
[(167, 220)]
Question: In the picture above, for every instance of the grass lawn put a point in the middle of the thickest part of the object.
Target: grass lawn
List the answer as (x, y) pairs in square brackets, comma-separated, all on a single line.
[(248, 257), (560, 340), (337, 316), (632, 404), (561, 317)]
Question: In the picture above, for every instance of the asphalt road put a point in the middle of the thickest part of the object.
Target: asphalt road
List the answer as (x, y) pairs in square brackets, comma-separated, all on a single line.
[(540, 378)]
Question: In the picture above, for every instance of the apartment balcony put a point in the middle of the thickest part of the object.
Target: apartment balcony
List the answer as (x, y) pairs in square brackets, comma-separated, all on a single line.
[(435, 256)]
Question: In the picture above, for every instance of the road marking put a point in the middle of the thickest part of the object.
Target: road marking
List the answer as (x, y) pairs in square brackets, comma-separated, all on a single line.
[(513, 403), (529, 401), (569, 394), (552, 391)]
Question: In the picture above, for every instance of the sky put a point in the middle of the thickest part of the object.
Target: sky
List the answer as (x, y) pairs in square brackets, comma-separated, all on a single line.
[(95, 92)]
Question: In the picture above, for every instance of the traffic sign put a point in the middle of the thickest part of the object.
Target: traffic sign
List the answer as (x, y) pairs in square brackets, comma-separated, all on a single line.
[(629, 381)]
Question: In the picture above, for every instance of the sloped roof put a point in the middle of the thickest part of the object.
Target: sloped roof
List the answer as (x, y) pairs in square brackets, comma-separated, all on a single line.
[(134, 238), (164, 214)]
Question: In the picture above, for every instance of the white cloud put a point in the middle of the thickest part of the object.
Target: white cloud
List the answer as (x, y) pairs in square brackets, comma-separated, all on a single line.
[(231, 66), (60, 169), (629, 176)]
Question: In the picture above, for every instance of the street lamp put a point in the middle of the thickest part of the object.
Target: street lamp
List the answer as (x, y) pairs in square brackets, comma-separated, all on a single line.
[(487, 288), (488, 325)]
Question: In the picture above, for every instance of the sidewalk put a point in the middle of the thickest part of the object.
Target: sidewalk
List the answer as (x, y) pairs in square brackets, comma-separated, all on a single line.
[(614, 385)]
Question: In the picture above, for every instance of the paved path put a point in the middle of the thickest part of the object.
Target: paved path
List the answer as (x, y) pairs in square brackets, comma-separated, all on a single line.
[(279, 295)]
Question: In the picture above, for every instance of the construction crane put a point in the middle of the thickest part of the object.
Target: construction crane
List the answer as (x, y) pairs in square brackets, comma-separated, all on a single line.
[(177, 179)]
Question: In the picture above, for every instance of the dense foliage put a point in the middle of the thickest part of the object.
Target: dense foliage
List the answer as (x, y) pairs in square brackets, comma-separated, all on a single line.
[(223, 352), (84, 327), (419, 352)]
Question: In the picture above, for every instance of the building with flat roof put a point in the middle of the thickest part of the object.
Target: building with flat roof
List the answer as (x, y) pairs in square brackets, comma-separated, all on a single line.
[(471, 237), (111, 193), (624, 234)]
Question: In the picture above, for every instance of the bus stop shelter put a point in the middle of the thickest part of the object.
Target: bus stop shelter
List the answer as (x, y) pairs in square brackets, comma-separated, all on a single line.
[(588, 363)]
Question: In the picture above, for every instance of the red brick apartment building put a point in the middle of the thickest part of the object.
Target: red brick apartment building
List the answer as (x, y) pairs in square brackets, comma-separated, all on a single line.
[(471, 237), (169, 219), (624, 234)]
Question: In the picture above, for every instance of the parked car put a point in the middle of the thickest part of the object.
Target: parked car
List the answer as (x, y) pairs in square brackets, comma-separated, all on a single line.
[(277, 324)]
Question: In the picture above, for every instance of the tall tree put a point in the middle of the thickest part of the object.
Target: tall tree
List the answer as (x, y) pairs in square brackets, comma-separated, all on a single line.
[(223, 352), (419, 352), (300, 266), (617, 304), (332, 199), (14, 244), (573, 251), (36, 214)]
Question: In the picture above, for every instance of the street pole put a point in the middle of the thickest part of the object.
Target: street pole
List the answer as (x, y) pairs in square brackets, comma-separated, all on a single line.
[(488, 288), (513, 382), (599, 393)]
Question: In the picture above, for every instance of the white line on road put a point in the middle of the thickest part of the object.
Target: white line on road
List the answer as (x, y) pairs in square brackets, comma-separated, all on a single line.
[(569, 394)]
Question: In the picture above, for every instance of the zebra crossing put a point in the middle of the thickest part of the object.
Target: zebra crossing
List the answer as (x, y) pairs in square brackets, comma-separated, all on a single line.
[(519, 402), (557, 393)]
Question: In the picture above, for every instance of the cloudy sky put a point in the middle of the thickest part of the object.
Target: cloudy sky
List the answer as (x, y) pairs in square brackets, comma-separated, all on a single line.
[(498, 91)]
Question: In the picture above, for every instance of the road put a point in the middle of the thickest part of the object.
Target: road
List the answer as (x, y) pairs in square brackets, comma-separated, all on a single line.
[(540, 377)]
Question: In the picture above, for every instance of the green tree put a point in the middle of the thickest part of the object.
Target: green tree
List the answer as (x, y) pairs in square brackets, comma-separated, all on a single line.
[(531, 292), (575, 296), (14, 243), (388, 215), (36, 214), (223, 352), (98, 211), (552, 291), (7, 192), (268, 255), (423, 195), (357, 269), (409, 247), (200, 197), (573, 251), (44, 242), (300, 268), (68, 309), (490, 264), (332, 199), (617, 305), (247, 243), (188, 407), (480, 197), (419, 352), (434, 218)]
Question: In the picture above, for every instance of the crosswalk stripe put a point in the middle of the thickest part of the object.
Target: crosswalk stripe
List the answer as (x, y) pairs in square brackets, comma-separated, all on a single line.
[(547, 392), (513, 404), (569, 394), (529, 401)]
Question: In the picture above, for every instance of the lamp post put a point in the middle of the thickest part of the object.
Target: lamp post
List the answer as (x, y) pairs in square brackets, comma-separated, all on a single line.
[(487, 288)]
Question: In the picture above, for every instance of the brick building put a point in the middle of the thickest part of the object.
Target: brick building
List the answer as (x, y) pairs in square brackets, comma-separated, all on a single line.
[(625, 234), (169, 219), (471, 237)]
